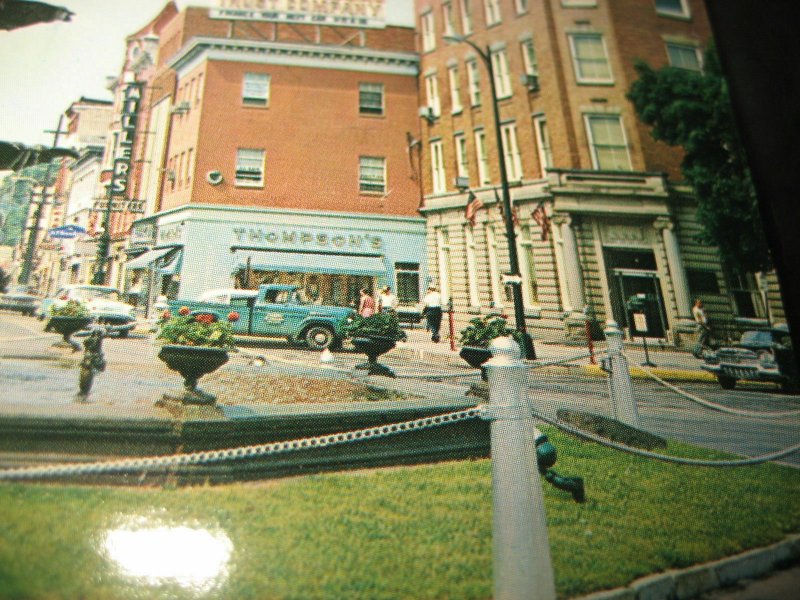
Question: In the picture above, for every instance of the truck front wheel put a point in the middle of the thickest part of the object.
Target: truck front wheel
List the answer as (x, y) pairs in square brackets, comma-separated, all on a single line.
[(319, 337)]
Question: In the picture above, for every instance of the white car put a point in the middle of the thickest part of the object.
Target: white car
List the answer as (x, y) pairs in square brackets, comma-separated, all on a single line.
[(103, 303)]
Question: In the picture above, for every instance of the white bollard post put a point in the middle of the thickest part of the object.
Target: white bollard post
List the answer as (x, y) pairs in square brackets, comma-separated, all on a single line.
[(522, 563), (619, 379)]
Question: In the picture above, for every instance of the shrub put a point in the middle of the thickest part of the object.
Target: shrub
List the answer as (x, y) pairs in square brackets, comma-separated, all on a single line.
[(482, 330), (382, 324), (198, 329), (72, 308)]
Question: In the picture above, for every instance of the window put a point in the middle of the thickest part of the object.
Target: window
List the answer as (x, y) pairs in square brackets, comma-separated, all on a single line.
[(684, 56), (437, 168), (466, 16), (443, 256), (543, 142), (462, 166), (513, 162), (529, 58), (255, 89), (492, 10), (494, 267), (370, 98), (432, 94), (199, 90), (521, 6), (483, 158), (474, 83), (502, 78), (406, 276), (702, 282), (447, 18), (455, 90), (372, 174), (189, 167), (608, 144), (672, 8), (428, 32), (472, 267), (249, 167), (590, 58)]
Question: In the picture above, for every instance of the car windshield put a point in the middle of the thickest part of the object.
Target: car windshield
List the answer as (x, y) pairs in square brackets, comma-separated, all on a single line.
[(86, 294)]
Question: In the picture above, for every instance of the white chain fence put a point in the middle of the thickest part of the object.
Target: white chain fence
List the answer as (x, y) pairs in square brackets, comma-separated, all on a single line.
[(153, 463)]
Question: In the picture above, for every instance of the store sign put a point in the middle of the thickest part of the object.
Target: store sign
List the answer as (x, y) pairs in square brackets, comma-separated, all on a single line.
[(132, 97), (169, 234), (347, 13), (293, 239), (132, 206), (142, 233)]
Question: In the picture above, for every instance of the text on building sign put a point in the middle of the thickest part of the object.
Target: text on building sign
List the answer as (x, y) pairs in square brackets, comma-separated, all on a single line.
[(122, 161), (354, 13), (307, 239)]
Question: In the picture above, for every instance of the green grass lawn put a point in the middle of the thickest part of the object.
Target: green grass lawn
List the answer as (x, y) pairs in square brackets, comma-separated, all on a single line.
[(421, 532)]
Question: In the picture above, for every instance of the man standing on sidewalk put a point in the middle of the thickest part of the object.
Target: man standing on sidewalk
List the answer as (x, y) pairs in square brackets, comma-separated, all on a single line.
[(432, 309), (703, 331)]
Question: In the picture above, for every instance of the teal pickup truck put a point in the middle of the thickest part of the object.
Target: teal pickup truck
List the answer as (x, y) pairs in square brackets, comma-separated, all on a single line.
[(277, 311)]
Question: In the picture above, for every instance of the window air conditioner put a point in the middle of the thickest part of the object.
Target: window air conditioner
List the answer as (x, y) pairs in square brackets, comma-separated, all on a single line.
[(531, 82), (462, 183), (426, 112), (181, 108)]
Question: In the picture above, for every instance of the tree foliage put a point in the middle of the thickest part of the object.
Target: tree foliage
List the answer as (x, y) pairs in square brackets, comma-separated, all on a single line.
[(693, 110)]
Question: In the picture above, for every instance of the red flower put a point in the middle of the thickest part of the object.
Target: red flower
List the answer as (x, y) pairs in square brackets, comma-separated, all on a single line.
[(205, 318), (504, 317), (233, 316), (166, 315), (184, 311)]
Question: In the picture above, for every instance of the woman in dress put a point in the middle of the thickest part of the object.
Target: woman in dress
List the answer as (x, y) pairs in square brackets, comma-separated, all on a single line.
[(366, 305)]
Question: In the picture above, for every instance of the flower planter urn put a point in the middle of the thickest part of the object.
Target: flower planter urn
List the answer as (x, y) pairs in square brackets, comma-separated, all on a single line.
[(373, 347), (475, 357), (192, 362), (66, 326)]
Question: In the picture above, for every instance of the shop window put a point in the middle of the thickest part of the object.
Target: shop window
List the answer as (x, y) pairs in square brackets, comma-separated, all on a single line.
[(249, 167), (590, 58), (406, 274), (255, 89), (372, 175), (702, 282), (370, 98)]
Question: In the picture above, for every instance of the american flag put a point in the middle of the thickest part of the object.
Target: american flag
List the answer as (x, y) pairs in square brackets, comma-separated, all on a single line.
[(541, 219), (473, 206)]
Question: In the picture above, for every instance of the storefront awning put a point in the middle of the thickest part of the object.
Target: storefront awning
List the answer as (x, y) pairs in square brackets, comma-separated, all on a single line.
[(301, 262), (146, 259), (173, 264)]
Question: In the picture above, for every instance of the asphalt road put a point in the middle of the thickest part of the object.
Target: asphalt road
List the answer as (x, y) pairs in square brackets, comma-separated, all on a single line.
[(135, 375)]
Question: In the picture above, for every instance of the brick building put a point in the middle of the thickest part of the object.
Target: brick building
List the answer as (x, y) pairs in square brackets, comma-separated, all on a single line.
[(600, 211), (284, 156)]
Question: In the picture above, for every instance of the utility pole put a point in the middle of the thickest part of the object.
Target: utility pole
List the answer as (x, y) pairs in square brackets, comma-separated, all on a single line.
[(33, 233)]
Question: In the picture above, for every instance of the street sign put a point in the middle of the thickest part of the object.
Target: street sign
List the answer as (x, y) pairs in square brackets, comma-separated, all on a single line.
[(66, 232)]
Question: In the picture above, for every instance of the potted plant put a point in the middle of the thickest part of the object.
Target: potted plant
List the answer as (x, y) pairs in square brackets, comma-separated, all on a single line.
[(476, 337), (375, 335), (68, 318), (195, 344)]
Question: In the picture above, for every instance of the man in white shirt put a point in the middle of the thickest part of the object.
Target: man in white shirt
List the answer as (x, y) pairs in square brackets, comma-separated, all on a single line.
[(703, 330), (387, 300), (432, 309)]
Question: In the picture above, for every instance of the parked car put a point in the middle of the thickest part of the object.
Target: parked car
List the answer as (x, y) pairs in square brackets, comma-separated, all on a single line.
[(103, 303), (760, 355), (276, 311), (227, 295), (19, 299)]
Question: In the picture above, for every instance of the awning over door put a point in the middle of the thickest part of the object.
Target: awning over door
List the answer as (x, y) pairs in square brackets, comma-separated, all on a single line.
[(173, 264), (146, 259), (301, 262)]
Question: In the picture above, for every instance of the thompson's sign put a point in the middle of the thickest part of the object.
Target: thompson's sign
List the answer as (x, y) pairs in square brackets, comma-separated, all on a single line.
[(348, 13), (122, 161)]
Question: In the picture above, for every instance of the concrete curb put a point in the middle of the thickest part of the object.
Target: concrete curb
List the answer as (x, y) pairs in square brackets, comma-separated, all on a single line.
[(692, 582)]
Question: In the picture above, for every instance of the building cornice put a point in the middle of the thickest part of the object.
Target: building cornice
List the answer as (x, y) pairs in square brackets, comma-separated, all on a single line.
[(346, 58)]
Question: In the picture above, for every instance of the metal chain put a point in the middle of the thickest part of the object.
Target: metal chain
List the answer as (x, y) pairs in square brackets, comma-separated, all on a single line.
[(561, 361), (210, 456), (720, 407), (665, 458)]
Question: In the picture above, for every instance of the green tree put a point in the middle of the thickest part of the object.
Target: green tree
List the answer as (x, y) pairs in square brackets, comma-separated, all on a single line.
[(693, 110)]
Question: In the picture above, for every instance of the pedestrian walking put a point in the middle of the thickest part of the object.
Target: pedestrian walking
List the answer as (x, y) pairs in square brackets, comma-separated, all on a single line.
[(703, 330), (432, 309), (387, 301), (366, 303)]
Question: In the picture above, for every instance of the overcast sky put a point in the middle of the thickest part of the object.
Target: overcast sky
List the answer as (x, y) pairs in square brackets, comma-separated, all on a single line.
[(44, 68)]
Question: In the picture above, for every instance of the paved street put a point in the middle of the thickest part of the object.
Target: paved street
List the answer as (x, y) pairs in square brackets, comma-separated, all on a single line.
[(136, 378)]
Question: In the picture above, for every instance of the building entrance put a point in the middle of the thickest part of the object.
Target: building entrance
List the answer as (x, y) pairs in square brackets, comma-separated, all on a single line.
[(635, 287)]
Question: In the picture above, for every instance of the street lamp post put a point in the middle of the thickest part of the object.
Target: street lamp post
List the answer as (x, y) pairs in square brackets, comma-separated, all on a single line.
[(103, 243), (33, 232), (511, 236)]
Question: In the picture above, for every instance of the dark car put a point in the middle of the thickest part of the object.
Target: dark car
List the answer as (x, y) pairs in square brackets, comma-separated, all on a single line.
[(19, 299), (760, 355)]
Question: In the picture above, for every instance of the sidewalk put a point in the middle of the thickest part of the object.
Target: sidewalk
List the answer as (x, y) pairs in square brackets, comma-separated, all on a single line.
[(670, 364)]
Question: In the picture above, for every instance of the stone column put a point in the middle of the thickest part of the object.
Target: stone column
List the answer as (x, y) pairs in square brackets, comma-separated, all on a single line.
[(572, 266), (680, 284)]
